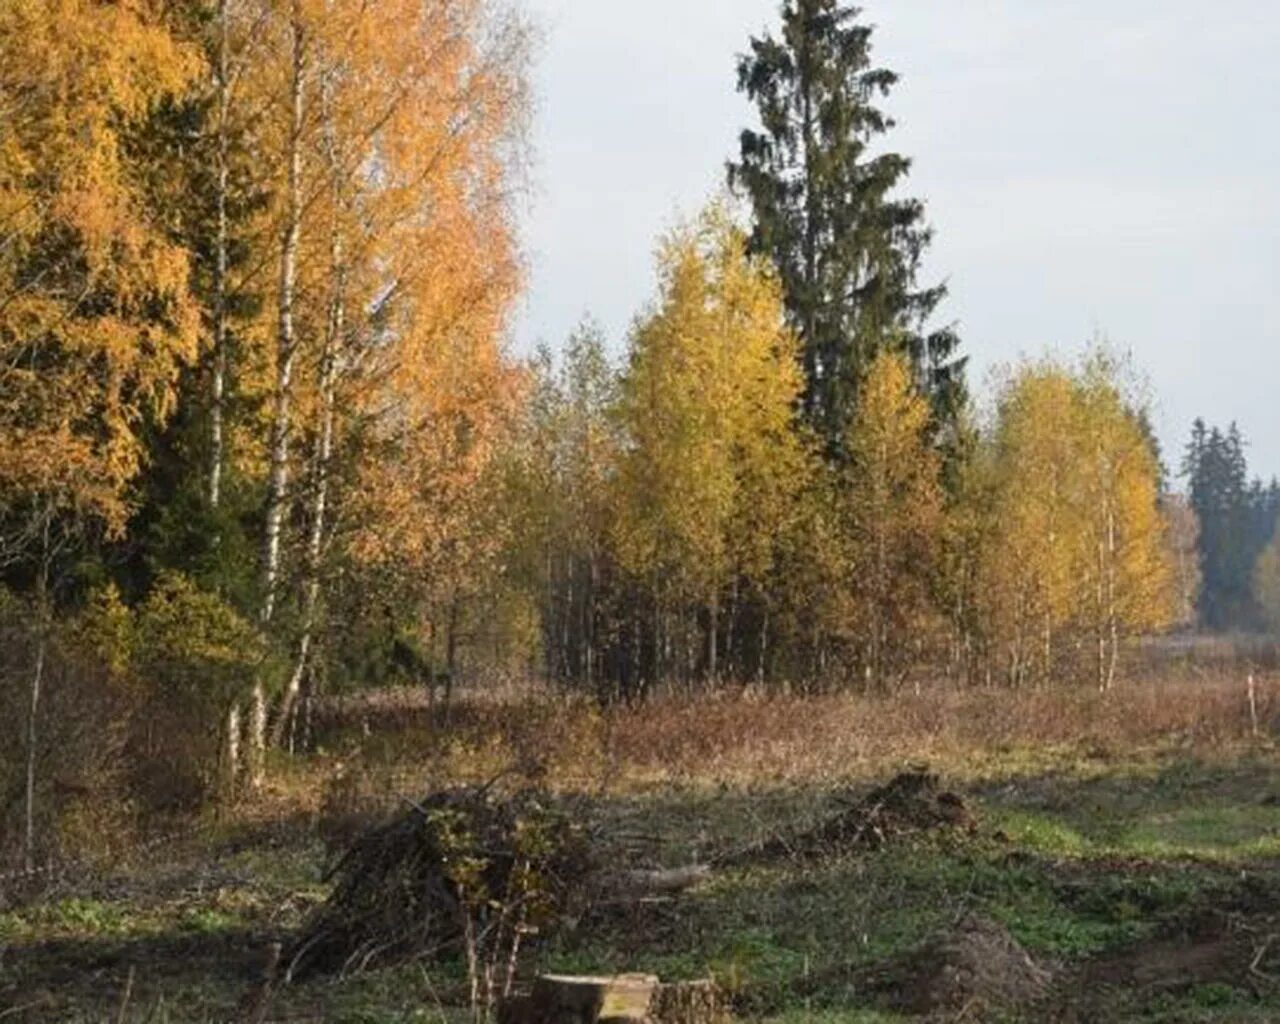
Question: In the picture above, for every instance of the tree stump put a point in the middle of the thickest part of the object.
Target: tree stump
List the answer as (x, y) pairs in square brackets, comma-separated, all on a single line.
[(621, 999), (690, 1002)]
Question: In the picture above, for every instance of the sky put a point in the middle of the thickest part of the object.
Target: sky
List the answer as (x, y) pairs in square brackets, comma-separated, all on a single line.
[(1093, 168)]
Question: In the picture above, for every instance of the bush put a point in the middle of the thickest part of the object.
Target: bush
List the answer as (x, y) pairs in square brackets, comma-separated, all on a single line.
[(195, 656), (130, 713), (82, 727)]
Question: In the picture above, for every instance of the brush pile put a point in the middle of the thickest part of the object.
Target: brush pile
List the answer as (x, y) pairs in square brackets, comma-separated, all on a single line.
[(469, 870), (911, 803)]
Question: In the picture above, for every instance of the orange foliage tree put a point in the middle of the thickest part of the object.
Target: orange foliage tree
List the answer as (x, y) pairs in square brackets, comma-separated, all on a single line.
[(95, 315), (424, 117)]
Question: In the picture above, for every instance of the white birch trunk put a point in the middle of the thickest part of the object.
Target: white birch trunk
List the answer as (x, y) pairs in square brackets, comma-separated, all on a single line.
[(286, 348), (328, 386), (1113, 617), (37, 685), (219, 377), (231, 751), (286, 344), (37, 680), (218, 380)]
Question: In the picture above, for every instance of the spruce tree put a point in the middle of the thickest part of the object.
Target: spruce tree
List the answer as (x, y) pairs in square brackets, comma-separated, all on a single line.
[(202, 173), (1237, 520), (846, 246)]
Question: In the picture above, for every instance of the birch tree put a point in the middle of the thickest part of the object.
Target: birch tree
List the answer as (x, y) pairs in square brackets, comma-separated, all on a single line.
[(892, 511), (1131, 587), (712, 461), (428, 114), (1077, 550)]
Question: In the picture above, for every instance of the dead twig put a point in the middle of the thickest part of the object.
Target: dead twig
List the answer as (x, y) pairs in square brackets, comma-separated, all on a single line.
[(124, 999), (1258, 956), (24, 1007)]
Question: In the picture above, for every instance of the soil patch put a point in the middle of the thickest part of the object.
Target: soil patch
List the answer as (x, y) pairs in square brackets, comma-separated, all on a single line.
[(1210, 948), (973, 967)]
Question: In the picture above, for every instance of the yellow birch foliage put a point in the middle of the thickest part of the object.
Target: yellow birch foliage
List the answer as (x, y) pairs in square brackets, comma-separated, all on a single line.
[(1266, 584), (714, 462), (1077, 546), (892, 513), (1133, 585), (1038, 543), (95, 318), (968, 523)]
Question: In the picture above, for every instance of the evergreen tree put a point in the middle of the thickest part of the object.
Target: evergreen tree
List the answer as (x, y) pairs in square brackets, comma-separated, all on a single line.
[(1237, 520), (846, 248), (198, 498)]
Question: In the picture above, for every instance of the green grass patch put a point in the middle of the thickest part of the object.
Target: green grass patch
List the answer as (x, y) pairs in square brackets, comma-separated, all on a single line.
[(1161, 811), (81, 918), (1042, 833)]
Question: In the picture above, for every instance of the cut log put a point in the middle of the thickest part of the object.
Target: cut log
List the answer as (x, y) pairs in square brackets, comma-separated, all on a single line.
[(665, 880), (621, 999)]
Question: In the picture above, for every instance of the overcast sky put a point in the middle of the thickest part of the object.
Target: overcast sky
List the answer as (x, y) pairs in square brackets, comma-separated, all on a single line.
[(1091, 167)]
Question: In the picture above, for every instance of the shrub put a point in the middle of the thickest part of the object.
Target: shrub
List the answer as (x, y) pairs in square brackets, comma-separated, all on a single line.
[(195, 655)]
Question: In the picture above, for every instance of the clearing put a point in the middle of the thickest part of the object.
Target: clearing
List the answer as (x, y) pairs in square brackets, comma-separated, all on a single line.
[(1118, 878)]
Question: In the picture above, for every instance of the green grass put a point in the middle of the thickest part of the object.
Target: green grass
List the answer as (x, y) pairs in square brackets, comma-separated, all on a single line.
[(767, 933), (1179, 810), (86, 918)]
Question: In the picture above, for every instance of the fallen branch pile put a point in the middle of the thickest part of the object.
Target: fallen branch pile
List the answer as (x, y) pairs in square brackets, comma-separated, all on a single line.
[(476, 871), (465, 869), (911, 803)]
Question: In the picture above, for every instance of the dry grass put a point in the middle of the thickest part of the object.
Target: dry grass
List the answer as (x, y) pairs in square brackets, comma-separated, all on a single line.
[(745, 739)]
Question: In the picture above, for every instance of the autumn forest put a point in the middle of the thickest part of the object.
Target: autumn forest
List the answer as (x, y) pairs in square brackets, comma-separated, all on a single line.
[(266, 443)]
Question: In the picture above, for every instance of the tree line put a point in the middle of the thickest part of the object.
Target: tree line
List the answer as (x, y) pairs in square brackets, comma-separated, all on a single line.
[(261, 436), (669, 540), (1238, 542)]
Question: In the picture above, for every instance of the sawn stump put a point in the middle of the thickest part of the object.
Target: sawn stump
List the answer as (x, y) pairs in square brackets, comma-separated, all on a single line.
[(620, 999)]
